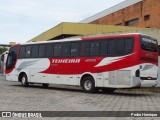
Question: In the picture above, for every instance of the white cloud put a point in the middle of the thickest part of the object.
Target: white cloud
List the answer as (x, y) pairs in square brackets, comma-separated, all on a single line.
[(21, 20)]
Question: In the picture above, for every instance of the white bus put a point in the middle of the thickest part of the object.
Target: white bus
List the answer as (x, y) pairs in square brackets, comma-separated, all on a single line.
[(101, 62), (3, 62)]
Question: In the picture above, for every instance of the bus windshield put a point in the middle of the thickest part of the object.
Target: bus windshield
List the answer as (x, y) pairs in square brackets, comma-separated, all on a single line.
[(149, 44), (12, 55)]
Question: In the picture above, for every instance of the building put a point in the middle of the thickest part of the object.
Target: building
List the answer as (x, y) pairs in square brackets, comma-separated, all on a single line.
[(65, 30), (135, 13), (129, 16), (12, 43)]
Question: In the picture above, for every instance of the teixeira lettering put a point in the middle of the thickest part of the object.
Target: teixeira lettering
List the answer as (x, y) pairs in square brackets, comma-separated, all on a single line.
[(65, 61)]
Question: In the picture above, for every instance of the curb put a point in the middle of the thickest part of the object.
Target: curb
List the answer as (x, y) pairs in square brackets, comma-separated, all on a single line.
[(157, 89)]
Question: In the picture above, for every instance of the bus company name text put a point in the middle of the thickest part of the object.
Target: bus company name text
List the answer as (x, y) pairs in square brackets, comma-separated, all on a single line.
[(65, 61)]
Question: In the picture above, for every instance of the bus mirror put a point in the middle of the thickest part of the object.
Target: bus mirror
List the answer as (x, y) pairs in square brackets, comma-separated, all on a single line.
[(2, 58)]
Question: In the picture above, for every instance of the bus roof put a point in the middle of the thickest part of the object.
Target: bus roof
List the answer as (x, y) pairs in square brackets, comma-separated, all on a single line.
[(77, 39)]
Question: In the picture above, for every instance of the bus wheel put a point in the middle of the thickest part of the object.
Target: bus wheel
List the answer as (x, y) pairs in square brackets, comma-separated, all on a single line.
[(108, 90), (88, 85), (24, 80), (45, 85)]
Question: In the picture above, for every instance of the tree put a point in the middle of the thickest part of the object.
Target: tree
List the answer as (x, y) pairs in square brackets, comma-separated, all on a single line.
[(3, 49)]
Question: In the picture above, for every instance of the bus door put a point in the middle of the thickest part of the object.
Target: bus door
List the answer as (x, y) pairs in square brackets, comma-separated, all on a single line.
[(112, 78), (11, 71)]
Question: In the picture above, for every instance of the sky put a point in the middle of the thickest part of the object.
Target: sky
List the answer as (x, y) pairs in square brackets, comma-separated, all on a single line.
[(22, 20)]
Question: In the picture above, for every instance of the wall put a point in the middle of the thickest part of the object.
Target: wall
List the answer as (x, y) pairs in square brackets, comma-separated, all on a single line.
[(138, 10)]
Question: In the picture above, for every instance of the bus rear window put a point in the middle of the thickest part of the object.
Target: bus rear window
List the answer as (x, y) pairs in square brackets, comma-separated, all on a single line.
[(149, 44)]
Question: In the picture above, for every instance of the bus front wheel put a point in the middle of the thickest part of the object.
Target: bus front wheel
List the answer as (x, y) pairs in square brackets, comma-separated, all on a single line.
[(24, 80), (88, 85)]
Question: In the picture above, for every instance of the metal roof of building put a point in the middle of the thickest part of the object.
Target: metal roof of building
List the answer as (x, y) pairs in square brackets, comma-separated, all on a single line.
[(108, 11), (65, 30)]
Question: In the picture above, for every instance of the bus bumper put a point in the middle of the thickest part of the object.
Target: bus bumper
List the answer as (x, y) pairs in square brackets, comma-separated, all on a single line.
[(149, 83), (137, 82)]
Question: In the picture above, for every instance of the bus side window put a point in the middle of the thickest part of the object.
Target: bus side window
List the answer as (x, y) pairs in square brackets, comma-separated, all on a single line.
[(104, 47), (84, 50), (111, 47), (66, 49), (129, 42), (49, 50), (28, 52), (41, 52), (74, 49), (120, 47), (94, 48), (57, 50), (22, 52), (34, 51)]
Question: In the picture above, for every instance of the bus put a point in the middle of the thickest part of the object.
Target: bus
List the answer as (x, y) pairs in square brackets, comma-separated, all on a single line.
[(99, 62), (3, 59), (158, 85)]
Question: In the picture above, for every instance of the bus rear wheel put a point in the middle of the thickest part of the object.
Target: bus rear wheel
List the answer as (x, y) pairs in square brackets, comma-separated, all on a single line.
[(24, 80), (45, 85), (88, 85)]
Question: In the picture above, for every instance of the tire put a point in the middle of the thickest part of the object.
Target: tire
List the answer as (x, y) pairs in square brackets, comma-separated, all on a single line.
[(108, 90), (45, 85), (88, 85), (24, 80)]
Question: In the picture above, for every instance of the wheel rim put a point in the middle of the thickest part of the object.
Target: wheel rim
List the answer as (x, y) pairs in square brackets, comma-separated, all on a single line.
[(88, 84), (23, 80)]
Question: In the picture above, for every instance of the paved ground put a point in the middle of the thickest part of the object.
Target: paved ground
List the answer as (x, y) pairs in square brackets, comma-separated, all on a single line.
[(14, 97)]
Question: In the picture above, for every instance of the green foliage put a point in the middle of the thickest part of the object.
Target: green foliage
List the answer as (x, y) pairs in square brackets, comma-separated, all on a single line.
[(2, 49)]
